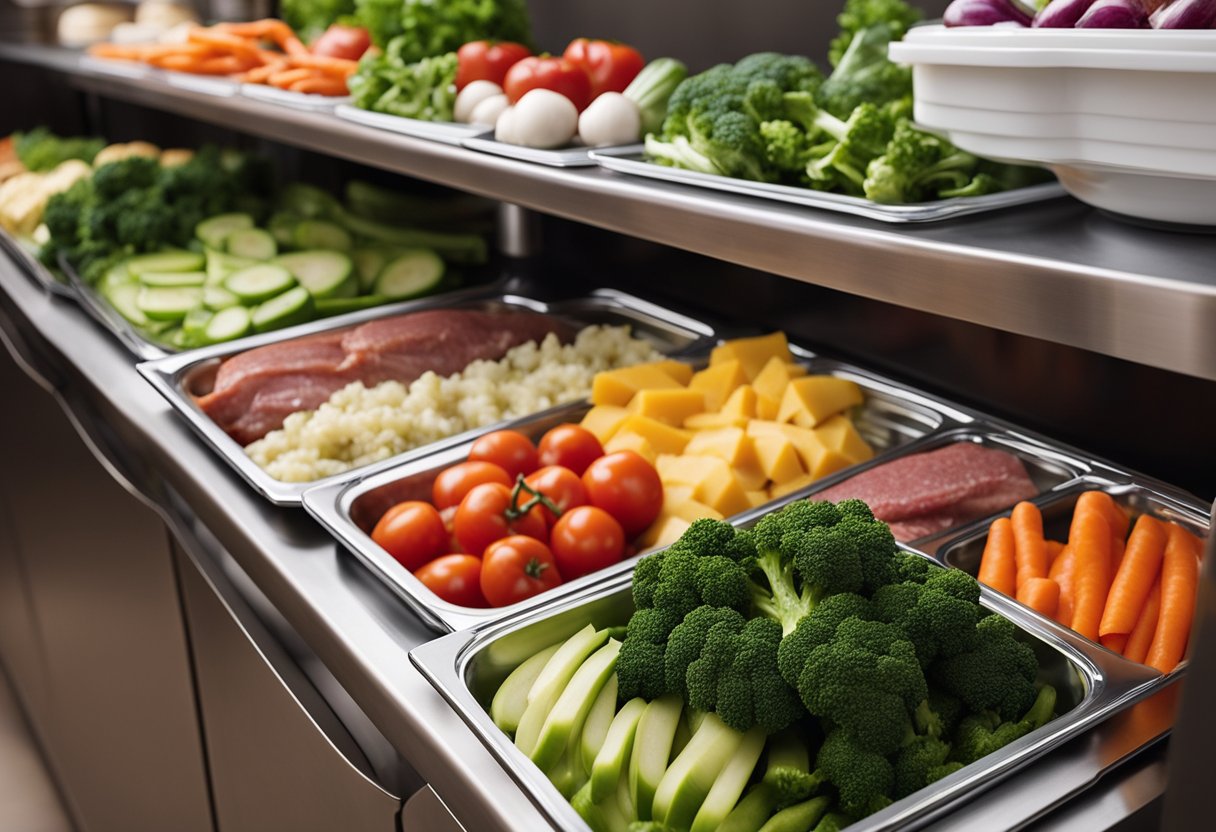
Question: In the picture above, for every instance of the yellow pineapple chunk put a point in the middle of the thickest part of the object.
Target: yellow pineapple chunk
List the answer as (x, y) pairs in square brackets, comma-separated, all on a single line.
[(717, 382), (811, 400), (732, 445), (603, 420), (753, 353), (767, 408), (672, 406), (691, 510)]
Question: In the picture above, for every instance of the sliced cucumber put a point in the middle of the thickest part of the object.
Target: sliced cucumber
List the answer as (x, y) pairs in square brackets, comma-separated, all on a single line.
[(227, 325), (220, 265), (195, 323), (258, 283), (368, 264), (123, 298), (116, 276), (328, 307), (253, 243), (168, 303), (288, 309), (283, 227), (177, 338), (216, 298), (166, 261), (173, 278), (322, 234), (410, 274), (325, 274), (214, 230)]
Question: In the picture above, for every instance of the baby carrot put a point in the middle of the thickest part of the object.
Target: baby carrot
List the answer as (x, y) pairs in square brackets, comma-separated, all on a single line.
[(1091, 572), (1179, 583), (320, 86), (998, 567), (340, 67), (1118, 548), (1115, 642), (1053, 547), (1135, 577), (287, 77), (1141, 637), (1028, 544), (1062, 573), (1041, 595), (1103, 502)]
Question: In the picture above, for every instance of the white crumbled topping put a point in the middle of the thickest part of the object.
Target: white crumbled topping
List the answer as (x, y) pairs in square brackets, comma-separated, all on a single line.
[(359, 426)]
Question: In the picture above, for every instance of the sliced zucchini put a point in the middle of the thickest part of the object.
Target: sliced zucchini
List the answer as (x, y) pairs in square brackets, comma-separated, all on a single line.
[(195, 323), (220, 265), (328, 307), (368, 264), (410, 274), (258, 283), (166, 261), (123, 298), (288, 309), (322, 234), (214, 230), (227, 325), (216, 298), (116, 276), (177, 338), (325, 274), (282, 227), (161, 303), (173, 278), (253, 243)]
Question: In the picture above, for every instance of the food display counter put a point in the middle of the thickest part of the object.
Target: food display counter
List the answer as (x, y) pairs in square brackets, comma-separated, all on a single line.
[(244, 662)]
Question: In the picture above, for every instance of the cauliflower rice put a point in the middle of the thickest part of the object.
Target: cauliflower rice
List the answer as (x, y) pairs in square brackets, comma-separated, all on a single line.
[(359, 426)]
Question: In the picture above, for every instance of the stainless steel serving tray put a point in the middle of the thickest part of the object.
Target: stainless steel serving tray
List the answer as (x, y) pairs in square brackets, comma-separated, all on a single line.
[(893, 417), (467, 667), (29, 264), (445, 132), (631, 162), (563, 157), (175, 377), (295, 100)]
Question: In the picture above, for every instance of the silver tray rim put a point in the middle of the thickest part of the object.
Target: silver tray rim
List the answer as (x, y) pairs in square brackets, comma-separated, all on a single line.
[(568, 157), (26, 262), (445, 132), (295, 100)]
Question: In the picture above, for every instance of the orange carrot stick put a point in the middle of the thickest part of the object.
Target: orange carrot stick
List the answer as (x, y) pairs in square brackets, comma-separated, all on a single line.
[(329, 65), (1115, 642), (270, 28), (287, 77), (1029, 546), (1091, 572), (1041, 595), (1062, 569), (261, 74), (1103, 502), (1179, 583), (1141, 637), (292, 45), (223, 41), (998, 566), (221, 65), (1053, 547), (1135, 577), (320, 86)]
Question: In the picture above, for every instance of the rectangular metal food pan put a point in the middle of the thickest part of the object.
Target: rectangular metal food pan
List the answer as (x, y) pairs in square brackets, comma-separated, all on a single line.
[(179, 378), (28, 263), (466, 668), (892, 417)]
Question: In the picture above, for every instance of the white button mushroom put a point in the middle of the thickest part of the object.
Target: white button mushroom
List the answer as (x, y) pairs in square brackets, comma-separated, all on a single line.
[(543, 119), (473, 94), (610, 119)]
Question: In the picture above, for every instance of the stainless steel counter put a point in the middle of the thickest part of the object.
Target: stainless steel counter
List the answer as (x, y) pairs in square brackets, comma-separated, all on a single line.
[(1059, 271)]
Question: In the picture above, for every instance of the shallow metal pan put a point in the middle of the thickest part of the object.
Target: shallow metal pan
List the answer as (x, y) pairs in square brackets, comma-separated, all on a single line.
[(29, 264), (178, 378)]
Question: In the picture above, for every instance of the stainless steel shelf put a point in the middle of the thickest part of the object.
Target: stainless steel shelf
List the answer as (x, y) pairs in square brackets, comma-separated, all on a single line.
[(1059, 271)]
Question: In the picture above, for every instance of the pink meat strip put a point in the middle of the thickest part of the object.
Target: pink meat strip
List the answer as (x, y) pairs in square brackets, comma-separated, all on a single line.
[(926, 493), (256, 390)]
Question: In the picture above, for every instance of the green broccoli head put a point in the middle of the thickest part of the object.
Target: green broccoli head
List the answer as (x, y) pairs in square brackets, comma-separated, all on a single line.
[(789, 72), (134, 173), (916, 166), (818, 628), (906, 566), (687, 640), (865, 74), (936, 619), (864, 778), (918, 764), (996, 673), (980, 734), (639, 666), (856, 15), (786, 147)]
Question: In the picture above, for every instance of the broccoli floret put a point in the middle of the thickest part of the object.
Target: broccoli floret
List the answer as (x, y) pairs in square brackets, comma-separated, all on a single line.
[(939, 615), (920, 763), (687, 640), (865, 74), (40, 150), (981, 734), (818, 628), (861, 138), (906, 566), (833, 822), (787, 774), (859, 14), (639, 667), (916, 166), (679, 153), (864, 778), (130, 174), (731, 140), (786, 147), (997, 673), (789, 72)]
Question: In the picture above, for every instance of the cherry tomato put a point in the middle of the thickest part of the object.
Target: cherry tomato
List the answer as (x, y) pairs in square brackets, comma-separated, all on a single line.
[(453, 483), (561, 485), (487, 60), (449, 525), (412, 532), (609, 65), (454, 578), (557, 74), (586, 539), (516, 568), (571, 446), (509, 450), (348, 42), (626, 486), (482, 518)]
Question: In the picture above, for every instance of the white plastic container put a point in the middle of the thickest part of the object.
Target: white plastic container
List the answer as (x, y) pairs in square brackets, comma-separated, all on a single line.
[(1125, 118)]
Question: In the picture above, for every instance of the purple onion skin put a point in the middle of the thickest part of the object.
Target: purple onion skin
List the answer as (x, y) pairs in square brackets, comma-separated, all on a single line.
[(1061, 14), (1114, 14), (985, 13), (1185, 14)]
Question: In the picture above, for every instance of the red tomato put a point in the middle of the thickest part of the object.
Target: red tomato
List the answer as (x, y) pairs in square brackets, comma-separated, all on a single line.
[(487, 60), (571, 446), (482, 518), (349, 42), (586, 539), (454, 578), (626, 486), (449, 525), (609, 65), (516, 568), (453, 483), (412, 532), (509, 450), (557, 74), (561, 485)]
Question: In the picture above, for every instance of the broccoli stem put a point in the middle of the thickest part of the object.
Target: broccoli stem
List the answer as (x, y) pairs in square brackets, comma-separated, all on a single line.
[(781, 601), (799, 817)]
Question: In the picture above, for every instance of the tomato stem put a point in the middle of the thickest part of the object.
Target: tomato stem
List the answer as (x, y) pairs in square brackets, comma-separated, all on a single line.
[(516, 511), (535, 568)]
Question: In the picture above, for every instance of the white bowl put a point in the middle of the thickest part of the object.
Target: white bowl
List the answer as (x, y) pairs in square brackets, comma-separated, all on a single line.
[(1125, 118)]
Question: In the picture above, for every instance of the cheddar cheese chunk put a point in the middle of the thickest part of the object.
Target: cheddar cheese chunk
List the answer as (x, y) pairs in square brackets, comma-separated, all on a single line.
[(812, 400), (617, 387), (717, 382), (671, 405), (753, 353)]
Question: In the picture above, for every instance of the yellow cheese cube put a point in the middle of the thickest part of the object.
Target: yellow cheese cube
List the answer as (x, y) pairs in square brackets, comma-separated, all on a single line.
[(790, 487), (757, 498), (627, 440), (673, 494), (712, 480), (672, 406), (691, 510), (717, 382), (619, 386), (753, 353), (765, 427), (664, 531), (817, 458), (742, 402), (777, 457), (603, 420), (664, 438), (732, 445), (767, 408), (750, 477), (678, 370), (772, 379), (840, 434), (714, 421), (818, 398)]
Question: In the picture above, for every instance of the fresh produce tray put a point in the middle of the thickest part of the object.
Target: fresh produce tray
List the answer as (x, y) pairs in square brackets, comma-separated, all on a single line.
[(101, 311), (295, 100), (176, 376), (447, 132), (37, 272), (892, 418), (466, 668), (630, 161), (570, 157)]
